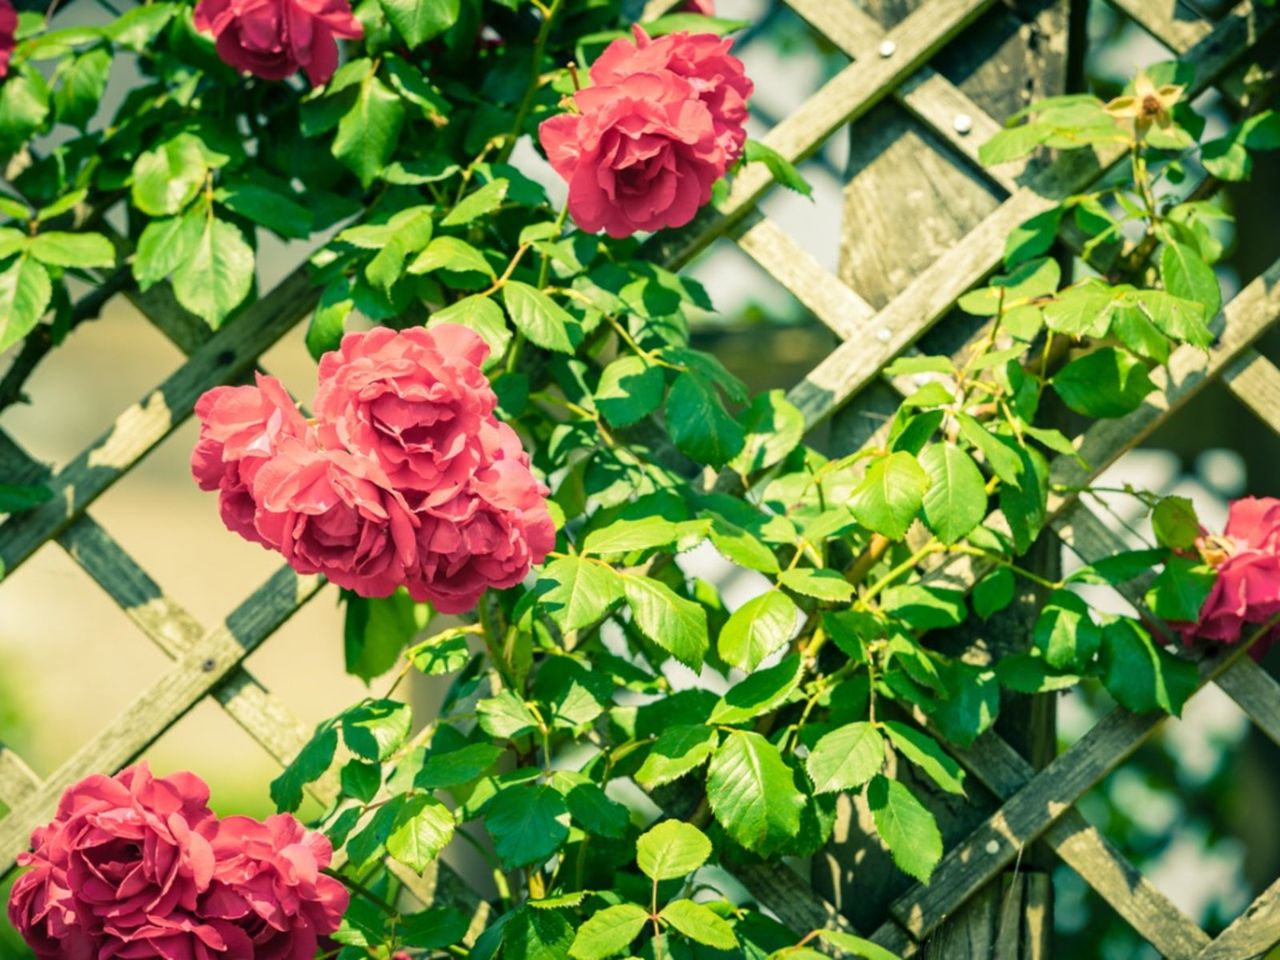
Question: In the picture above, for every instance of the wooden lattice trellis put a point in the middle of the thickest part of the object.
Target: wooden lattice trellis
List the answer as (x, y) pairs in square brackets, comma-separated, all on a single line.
[(1036, 805)]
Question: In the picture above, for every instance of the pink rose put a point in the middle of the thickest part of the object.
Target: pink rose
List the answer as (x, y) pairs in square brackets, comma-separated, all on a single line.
[(8, 27), (1247, 591), (273, 39), (333, 513), (268, 883), (705, 7), (240, 428), (703, 59), (120, 872), (487, 536), (642, 154), (413, 400)]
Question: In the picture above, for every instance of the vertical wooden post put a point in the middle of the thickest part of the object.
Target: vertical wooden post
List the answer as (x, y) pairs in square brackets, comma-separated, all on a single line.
[(908, 199)]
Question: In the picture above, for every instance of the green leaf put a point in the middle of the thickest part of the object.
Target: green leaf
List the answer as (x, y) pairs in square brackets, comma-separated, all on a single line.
[(167, 178), (1227, 159), (80, 83), (608, 932), (927, 754), (630, 389), (856, 945), (433, 929), (422, 830), (972, 702), (269, 208), (700, 924), (446, 652), (1013, 143), (311, 763), (361, 780), (753, 793), (528, 823), (478, 203), (536, 935), (774, 427), (761, 692), (678, 750), (1026, 672), (1142, 676), (164, 246), (457, 767), (699, 424), (890, 495), (671, 849), (450, 253), (482, 315), (25, 292), (376, 630), (1187, 275), (376, 729), (218, 274), (1180, 590), (584, 592), (956, 500), (1103, 384), (420, 20), (906, 826), (758, 628), (925, 607), (541, 319), (1175, 524), (993, 592), (1003, 462), (741, 547), (592, 809), (368, 132), (14, 498), (1119, 568), (1033, 237), (1065, 632), (624, 536), (24, 107), (846, 758), (779, 166), (505, 716), (676, 625), (826, 585)]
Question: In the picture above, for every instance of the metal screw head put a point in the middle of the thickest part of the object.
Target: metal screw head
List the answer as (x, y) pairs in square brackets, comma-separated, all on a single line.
[(963, 123), (993, 847), (888, 48), (883, 335)]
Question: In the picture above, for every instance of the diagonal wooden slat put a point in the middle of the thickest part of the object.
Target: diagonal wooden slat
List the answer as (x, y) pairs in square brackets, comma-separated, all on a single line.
[(1171, 22), (1251, 935)]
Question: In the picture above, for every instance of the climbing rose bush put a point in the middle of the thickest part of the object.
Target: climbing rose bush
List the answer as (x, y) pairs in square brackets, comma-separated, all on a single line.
[(404, 479), (513, 425), (139, 866), (274, 39)]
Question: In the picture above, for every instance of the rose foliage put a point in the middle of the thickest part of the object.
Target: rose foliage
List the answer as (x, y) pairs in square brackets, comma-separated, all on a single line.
[(512, 426)]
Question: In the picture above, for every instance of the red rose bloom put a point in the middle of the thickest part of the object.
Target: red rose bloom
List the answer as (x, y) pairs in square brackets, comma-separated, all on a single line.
[(487, 536), (240, 429), (8, 28), (273, 39), (413, 399), (717, 77), (1247, 591), (705, 7), (332, 513), (642, 154), (268, 883), (120, 873)]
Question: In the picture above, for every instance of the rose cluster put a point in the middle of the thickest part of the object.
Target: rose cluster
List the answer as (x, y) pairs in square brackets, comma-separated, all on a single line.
[(660, 124), (274, 39), (136, 866), (1247, 559), (404, 478)]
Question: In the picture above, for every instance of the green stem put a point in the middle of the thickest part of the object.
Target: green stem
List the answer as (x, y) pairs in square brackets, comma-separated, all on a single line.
[(526, 104)]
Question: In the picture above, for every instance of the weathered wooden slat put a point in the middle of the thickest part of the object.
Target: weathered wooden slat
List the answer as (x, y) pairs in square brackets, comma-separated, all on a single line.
[(228, 354), (845, 97), (1171, 22), (1255, 381), (1252, 934), (17, 780), (926, 93)]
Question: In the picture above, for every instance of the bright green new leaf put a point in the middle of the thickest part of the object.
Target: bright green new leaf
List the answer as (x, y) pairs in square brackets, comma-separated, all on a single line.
[(624, 536), (583, 591), (25, 292), (774, 427), (906, 826), (1175, 524), (1187, 275), (167, 178), (368, 132), (375, 729), (457, 767), (828, 586), (759, 693), (482, 315), (1066, 634), (672, 849), (630, 389), (608, 932), (541, 319), (758, 628), (478, 204), (678, 750), (890, 495), (421, 831), (700, 924), (675, 624), (779, 166), (846, 758), (218, 274), (927, 754), (420, 20), (505, 716), (956, 500), (753, 792), (857, 946)]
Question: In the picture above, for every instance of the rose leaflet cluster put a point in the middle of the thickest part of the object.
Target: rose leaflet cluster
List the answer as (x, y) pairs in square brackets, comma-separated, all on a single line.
[(662, 122), (137, 866), (405, 478)]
